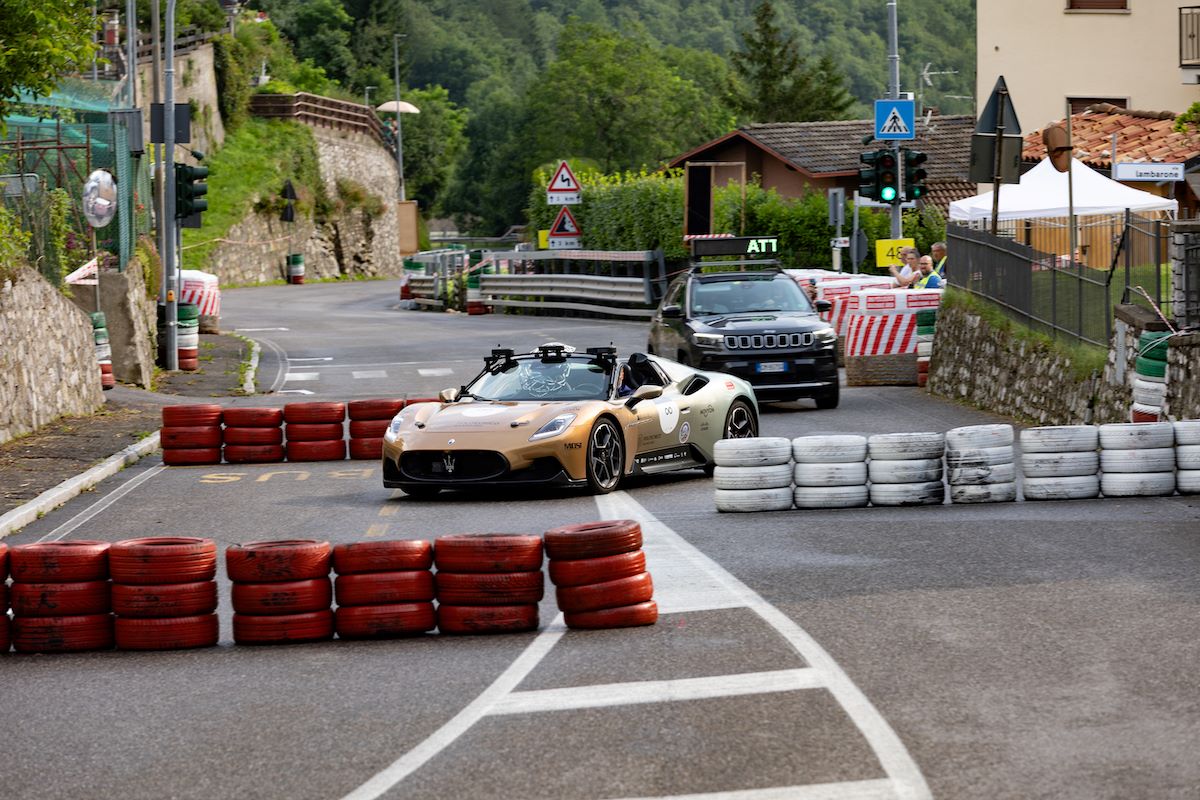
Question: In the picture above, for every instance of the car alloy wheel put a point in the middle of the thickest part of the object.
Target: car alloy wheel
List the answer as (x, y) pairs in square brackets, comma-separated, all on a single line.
[(605, 457), (740, 422)]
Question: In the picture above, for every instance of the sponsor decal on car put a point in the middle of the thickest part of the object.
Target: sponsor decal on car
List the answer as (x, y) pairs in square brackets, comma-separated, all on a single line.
[(729, 385), (685, 430), (663, 456), (668, 415)]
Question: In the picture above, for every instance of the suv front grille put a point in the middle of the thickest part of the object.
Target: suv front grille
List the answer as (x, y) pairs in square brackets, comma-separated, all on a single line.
[(768, 341)]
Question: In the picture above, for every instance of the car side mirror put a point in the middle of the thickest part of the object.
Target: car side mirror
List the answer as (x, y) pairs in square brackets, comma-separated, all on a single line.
[(448, 395), (672, 312), (647, 392), (822, 306)]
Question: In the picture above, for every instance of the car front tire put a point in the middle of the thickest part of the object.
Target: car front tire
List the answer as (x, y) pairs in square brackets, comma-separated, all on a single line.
[(605, 457)]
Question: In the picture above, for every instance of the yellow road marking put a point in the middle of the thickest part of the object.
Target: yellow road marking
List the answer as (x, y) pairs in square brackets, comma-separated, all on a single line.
[(376, 531)]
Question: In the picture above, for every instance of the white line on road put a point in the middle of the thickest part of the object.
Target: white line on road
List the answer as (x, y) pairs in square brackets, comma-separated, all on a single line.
[(294, 391), (313, 358), (619, 694), (370, 373), (82, 517), (849, 790), (435, 371), (302, 376), (258, 330)]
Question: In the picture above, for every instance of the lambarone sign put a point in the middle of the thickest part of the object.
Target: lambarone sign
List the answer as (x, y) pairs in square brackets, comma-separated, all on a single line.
[(736, 246), (1129, 171)]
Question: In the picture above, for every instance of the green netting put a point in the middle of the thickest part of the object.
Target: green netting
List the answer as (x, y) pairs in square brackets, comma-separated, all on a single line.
[(79, 95)]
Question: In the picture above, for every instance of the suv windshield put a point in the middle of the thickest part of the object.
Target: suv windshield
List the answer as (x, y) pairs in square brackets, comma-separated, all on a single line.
[(531, 378), (741, 296)]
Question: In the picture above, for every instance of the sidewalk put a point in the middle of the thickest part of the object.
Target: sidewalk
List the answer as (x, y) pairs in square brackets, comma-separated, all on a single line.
[(40, 461)]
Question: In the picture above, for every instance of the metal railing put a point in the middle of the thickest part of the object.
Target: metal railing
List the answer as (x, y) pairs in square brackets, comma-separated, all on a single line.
[(1189, 36), (598, 294), (320, 112)]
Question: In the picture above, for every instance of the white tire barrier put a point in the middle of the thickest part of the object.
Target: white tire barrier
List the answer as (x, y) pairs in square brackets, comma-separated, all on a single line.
[(1077, 487), (1148, 484), (776, 476), (742, 500), (929, 493), (924, 349), (1136, 435), (1148, 393), (979, 436), (1187, 456), (984, 493), (917, 470), (830, 496), (1060, 465), (1060, 439), (830, 449), (831, 474), (1187, 431), (1187, 481), (905, 446), (980, 456), (758, 452), (1159, 459), (982, 476)]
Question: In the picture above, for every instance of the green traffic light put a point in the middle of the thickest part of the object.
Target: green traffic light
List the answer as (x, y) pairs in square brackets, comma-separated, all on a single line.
[(887, 194)]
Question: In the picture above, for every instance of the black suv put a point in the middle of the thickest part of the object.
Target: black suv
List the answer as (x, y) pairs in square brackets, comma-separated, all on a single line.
[(759, 326)]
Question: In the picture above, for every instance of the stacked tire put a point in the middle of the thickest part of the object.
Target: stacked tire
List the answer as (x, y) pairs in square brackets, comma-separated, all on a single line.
[(926, 325), (103, 349), (599, 571), (753, 474), (314, 431), (5, 625), (187, 341), (191, 434), (164, 593), (1187, 456), (281, 591), (1137, 459), (488, 582), (830, 471), (1060, 462), (60, 597), (1150, 377), (906, 469), (980, 464), (369, 420), (384, 589), (253, 435)]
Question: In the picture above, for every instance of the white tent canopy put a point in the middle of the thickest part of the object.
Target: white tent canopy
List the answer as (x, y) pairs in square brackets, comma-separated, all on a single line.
[(1042, 192)]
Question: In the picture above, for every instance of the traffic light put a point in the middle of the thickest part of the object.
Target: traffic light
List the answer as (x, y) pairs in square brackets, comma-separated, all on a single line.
[(914, 174), (190, 190), (887, 177), (868, 183)]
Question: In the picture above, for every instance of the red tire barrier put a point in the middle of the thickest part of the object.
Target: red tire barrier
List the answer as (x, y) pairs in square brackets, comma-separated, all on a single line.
[(59, 562), (597, 570), (620, 617), (314, 432), (59, 599), (488, 552), (253, 436), (190, 437), (5, 634), (922, 379), (593, 539), (202, 415), (389, 556), (62, 634), (276, 561), (189, 364), (166, 600), (107, 381), (309, 413), (3, 561), (487, 619), (610, 594), (408, 401), (186, 353), (366, 449), (312, 627), (253, 417), (254, 454), (374, 409), (286, 597), (191, 456), (106, 368), (163, 559), (384, 621), (316, 451), (384, 588), (489, 589), (169, 633), (369, 428)]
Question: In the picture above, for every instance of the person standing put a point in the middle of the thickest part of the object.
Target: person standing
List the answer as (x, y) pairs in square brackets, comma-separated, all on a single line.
[(908, 272), (927, 276), (938, 251)]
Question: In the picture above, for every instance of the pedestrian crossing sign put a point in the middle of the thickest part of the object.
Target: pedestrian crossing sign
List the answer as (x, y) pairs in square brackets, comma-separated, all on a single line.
[(895, 119)]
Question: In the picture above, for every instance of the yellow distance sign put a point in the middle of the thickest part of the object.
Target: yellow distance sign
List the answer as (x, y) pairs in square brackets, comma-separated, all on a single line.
[(887, 251)]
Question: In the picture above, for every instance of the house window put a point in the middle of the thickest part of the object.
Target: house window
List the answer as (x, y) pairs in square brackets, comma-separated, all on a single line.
[(1080, 104), (1098, 5)]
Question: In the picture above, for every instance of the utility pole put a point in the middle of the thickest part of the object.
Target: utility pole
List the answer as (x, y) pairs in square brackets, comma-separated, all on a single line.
[(131, 30), (399, 127), (157, 151), (170, 277), (894, 74)]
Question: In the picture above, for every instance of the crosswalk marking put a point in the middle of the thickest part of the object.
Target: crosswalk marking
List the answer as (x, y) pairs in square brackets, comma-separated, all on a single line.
[(432, 372), (370, 373), (847, 790), (302, 376)]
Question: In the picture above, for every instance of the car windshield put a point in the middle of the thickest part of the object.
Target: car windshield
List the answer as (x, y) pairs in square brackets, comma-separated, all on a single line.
[(531, 378), (741, 296)]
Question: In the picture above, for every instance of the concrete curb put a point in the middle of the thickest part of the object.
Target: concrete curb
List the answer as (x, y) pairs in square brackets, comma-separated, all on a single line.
[(51, 499), (252, 370)]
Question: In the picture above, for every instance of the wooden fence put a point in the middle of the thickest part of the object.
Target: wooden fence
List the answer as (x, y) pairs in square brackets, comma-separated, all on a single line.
[(320, 112)]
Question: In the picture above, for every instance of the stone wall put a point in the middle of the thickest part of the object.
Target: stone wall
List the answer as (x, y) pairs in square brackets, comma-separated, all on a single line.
[(131, 318), (48, 363), (1183, 377), (1185, 289), (195, 80)]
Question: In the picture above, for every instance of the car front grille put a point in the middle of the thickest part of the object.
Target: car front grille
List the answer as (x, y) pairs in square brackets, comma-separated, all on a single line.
[(768, 341), (453, 465)]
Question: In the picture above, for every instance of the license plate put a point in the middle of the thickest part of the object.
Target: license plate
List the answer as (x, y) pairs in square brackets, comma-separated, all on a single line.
[(771, 366)]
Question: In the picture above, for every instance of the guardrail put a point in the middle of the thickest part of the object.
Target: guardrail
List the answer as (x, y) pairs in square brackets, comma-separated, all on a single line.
[(426, 290), (622, 297), (319, 112)]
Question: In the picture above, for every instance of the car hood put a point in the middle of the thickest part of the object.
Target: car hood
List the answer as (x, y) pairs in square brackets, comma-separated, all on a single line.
[(776, 321), (485, 415)]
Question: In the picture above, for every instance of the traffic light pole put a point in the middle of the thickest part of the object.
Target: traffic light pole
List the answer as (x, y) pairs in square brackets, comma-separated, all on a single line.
[(168, 223), (894, 71)]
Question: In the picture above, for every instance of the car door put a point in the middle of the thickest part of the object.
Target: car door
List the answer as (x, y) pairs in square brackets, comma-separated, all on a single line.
[(664, 426), (666, 332)]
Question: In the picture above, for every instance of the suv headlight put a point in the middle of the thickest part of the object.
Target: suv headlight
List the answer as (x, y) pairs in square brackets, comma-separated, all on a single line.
[(553, 428), (709, 341), (825, 336)]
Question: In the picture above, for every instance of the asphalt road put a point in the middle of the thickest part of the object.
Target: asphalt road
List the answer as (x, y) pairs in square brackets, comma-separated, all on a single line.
[(1019, 650)]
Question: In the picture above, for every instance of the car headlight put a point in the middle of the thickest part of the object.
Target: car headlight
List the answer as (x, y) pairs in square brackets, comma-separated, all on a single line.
[(393, 429), (708, 341), (553, 428), (825, 336)]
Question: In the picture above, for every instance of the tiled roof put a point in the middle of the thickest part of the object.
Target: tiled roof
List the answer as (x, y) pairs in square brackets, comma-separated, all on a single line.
[(1141, 136), (943, 193)]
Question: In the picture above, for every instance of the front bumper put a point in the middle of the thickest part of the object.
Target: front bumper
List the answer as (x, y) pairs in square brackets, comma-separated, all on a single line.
[(774, 373), (415, 468)]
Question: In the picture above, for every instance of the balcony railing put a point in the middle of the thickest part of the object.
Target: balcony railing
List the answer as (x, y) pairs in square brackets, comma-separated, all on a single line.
[(1189, 36)]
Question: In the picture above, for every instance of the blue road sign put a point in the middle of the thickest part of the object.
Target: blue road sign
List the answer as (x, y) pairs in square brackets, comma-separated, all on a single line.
[(895, 119)]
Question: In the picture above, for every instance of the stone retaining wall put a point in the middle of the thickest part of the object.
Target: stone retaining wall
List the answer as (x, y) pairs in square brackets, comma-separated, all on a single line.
[(48, 363), (131, 319), (1183, 377)]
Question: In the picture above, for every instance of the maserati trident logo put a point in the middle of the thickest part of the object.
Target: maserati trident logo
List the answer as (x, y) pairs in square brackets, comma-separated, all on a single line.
[(448, 462)]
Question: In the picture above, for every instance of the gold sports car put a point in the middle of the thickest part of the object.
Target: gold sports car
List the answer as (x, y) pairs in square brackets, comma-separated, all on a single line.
[(555, 416)]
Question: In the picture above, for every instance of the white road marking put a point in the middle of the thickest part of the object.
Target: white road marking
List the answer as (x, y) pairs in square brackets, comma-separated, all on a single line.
[(302, 376), (619, 694), (682, 585), (849, 790), (257, 330), (434, 372), (370, 373), (312, 358), (294, 391), (82, 517)]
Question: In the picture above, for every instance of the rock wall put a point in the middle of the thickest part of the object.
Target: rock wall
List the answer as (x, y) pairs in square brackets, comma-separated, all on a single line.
[(1183, 377), (130, 316), (48, 363), (195, 81)]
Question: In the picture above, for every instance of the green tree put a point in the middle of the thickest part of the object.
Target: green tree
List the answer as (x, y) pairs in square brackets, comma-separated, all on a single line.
[(774, 83), (39, 41), (434, 141)]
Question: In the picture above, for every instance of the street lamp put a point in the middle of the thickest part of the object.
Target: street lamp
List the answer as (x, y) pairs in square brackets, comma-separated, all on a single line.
[(399, 127), (367, 95)]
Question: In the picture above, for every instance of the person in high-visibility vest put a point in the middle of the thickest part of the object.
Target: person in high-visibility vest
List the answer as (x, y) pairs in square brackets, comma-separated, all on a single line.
[(929, 279), (938, 250)]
